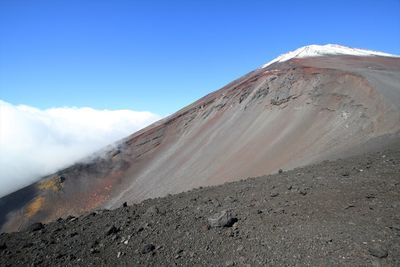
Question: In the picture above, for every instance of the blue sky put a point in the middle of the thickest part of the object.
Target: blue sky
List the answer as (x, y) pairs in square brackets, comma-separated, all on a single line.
[(162, 55)]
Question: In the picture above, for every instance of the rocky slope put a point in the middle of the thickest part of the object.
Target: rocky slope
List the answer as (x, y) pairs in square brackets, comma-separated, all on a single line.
[(288, 114), (336, 213)]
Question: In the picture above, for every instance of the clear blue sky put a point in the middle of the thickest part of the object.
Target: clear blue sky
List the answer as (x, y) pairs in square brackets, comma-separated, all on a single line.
[(162, 55)]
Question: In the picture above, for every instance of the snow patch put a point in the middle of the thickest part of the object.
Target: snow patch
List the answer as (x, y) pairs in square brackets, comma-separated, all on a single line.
[(323, 50)]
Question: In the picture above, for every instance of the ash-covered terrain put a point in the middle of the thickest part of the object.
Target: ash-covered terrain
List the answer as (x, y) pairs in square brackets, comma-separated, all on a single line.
[(310, 105), (336, 213)]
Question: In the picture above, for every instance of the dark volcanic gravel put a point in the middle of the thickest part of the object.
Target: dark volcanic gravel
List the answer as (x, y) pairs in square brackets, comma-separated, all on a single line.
[(308, 216)]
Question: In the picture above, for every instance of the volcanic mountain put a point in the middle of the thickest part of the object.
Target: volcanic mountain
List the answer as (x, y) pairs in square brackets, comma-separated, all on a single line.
[(309, 105)]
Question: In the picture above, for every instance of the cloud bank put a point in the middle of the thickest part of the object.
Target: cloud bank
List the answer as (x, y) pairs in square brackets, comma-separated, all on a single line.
[(35, 142)]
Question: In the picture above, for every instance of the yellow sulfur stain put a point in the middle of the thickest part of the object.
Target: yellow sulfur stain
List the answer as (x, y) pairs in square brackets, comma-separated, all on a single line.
[(34, 206), (53, 184)]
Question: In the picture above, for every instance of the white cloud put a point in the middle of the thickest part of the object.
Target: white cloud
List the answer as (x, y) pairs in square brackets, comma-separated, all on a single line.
[(35, 142)]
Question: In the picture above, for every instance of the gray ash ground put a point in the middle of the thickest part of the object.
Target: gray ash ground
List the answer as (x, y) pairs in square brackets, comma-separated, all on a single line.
[(343, 212)]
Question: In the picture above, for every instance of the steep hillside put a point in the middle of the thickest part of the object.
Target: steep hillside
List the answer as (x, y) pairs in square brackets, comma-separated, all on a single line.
[(336, 213), (290, 113)]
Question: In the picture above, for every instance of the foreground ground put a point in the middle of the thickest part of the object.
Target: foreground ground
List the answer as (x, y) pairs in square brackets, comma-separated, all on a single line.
[(344, 212)]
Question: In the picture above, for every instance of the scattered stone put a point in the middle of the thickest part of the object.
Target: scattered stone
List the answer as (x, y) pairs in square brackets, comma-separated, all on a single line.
[(60, 255), (224, 218), (303, 192), (148, 248), (378, 251), (235, 226), (215, 202), (265, 238), (205, 227), (27, 245), (94, 244), (71, 257), (395, 227), (124, 205), (94, 251), (112, 230), (229, 263), (153, 210), (230, 199), (279, 211), (346, 174), (70, 217), (280, 171), (73, 234), (274, 194), (35, 227)]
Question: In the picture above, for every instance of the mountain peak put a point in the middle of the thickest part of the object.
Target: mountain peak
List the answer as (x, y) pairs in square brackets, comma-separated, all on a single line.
[(323, 50)]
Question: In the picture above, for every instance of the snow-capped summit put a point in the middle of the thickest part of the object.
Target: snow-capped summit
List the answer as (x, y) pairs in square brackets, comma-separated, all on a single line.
[(322, 50)]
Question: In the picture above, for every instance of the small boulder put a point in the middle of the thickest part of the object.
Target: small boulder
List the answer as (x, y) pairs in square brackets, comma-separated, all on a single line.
[(378, 251), (148, 248), (395, 227), (112, 230), (303, 191), (153, 210), (230, 199), (225, 218), (229, 263), (94, 251), (70, 218), (274, 194), (35, 227), (345, 174)]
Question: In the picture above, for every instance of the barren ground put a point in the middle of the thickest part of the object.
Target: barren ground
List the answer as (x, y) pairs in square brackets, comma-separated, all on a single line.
[(343, 212)]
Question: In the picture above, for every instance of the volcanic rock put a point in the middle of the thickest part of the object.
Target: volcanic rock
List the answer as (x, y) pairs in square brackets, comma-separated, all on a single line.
[(225, 218), (148, 248), (35, 227), (378, 251)]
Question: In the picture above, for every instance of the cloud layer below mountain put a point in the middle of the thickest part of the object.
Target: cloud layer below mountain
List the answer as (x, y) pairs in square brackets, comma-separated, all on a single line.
[(36, 142)]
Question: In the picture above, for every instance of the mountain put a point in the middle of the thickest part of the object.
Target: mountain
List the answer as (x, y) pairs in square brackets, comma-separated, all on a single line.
[(310, 105), (324, 50)]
